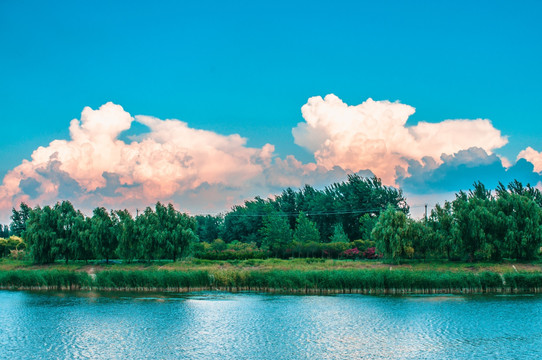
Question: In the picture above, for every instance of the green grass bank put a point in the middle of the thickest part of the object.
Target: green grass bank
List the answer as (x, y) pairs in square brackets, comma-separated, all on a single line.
[(287, 276)]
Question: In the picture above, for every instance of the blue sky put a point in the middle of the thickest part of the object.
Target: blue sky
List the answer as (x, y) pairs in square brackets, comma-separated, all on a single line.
[(248, 67)]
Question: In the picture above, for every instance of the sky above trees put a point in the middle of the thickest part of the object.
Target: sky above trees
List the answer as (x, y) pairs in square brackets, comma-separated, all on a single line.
[(209, 104)]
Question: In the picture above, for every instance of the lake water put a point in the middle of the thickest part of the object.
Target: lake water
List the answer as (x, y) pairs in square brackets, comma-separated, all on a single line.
[(86, 325)]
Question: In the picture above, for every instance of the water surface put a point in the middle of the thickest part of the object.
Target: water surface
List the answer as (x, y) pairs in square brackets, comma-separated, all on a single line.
[(86, 325)]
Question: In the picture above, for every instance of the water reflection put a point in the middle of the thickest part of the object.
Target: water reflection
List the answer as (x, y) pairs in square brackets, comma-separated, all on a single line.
[(118, 325)]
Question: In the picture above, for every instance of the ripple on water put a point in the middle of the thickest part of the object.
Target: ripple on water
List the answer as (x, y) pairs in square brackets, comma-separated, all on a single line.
[(257, 326)]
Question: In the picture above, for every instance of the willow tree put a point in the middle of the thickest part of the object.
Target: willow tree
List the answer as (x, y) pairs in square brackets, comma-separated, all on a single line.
[(102, 234), (390, 234), (40, 235), (475, 224), (66, 217), (442, 223), (520, 222), (177, 230), (129, 244)]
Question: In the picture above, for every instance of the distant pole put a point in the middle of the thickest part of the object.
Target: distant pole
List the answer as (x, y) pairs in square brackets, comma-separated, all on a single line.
[(137, 212), (426, 212)]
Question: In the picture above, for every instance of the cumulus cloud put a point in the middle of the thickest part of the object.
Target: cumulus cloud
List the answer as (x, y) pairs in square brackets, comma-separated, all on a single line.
[(532, 156), (374, 135), (198, 170), (95, 166), (202, 171), (290, 172), (460, 170)]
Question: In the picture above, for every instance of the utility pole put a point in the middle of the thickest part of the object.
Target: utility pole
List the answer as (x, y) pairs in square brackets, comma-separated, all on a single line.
[(425, 212)]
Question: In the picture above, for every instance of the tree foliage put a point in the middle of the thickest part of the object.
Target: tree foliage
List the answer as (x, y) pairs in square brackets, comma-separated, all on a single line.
[(478, 224), (275, 233)]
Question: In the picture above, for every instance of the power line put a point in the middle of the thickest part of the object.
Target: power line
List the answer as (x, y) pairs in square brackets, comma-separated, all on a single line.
[(318, 213)]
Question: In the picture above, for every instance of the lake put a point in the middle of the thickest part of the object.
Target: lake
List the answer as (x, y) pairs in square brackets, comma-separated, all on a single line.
[(215, 325)]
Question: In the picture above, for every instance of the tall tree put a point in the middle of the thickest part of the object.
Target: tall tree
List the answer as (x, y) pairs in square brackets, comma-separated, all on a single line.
[(65, 229), (339, 235), (243, 223), (421, 237), (209, 227), (19, 219), (367, 223), (102, 234), (390, 234), (148, 227), (40, 235), (184, 234), (276, 233), (305, 231), (177, 230), (475, 223), (520, 224), (85, 248), (442, 223), (127, 234)]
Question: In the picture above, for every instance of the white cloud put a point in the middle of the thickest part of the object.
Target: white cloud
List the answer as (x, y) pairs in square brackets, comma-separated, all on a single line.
[(532, 156), (374, 135), (203, 171), (95, 165)]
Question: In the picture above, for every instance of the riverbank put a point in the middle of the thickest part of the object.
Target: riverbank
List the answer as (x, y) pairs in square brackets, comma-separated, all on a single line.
[(289, 276)]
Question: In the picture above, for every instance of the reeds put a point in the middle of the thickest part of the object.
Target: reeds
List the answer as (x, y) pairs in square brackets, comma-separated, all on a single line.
[(45, 279), (276, 280), (151, 279), (374, 281)]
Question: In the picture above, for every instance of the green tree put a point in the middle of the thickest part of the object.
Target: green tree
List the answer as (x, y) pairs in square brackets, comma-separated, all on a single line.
[(183, 232), (65, 229), (218, 245), (276, 233), (209, 227), (243, 223), (19, 219), (40, 235), (4, 231), (362, 195), (339, 236), (421, 237), (305, 230), (129, 247), (519, 223), (367, 223), (390, 235), (85, 248), (102, 234), (148, 226), (475, 224)]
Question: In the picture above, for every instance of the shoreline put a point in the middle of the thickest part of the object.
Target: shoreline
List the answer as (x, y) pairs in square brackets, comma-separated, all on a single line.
[(287, 281), (385, 292)]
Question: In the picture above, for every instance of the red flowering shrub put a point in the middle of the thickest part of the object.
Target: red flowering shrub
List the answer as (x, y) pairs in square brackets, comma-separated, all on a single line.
[(351, 253), (370, 253)]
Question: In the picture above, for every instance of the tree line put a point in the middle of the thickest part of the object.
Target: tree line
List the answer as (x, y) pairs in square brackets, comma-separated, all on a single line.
[(477, 225), (305, 223), (340, 205), (357, 218), (62, 232)]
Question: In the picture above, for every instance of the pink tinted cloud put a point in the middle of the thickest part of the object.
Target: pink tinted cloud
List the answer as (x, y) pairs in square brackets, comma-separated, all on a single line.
[(199, 169), (374, 135), (171, 158)]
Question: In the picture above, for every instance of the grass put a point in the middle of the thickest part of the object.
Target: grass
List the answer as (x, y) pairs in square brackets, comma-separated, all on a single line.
[(297, 275), (280, 264)]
